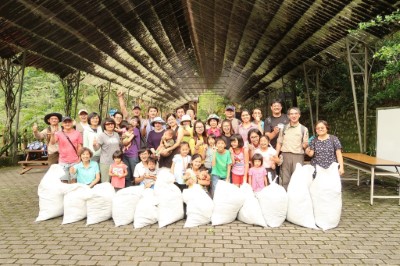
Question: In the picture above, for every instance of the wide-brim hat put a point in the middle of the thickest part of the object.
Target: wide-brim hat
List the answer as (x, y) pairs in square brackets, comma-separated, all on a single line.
[(185, 118), (212, 116), (157, 120), (46, 117)]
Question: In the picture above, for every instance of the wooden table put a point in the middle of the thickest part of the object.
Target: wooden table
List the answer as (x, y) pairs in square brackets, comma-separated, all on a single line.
[(372, 165), (32, 162)]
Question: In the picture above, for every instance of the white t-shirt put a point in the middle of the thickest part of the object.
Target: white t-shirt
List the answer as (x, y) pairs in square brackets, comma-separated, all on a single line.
[(180, 166), (140, 170), (267, 162)]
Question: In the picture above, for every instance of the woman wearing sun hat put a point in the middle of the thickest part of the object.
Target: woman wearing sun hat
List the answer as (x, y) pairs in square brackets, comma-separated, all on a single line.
[(186, 127), (51, 119), (213, 121), (155, 135)]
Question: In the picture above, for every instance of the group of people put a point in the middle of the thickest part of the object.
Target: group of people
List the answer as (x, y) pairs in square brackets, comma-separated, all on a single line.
[(126, 149)]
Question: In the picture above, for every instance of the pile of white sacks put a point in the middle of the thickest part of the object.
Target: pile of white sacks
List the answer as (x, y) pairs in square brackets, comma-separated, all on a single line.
[(309, 203)]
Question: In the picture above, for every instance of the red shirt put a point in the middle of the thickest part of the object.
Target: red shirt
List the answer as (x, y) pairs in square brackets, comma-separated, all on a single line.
[(67, 152)]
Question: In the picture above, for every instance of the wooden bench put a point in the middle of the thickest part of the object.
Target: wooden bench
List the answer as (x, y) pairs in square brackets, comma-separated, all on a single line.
[(32, 162), (372, 165)]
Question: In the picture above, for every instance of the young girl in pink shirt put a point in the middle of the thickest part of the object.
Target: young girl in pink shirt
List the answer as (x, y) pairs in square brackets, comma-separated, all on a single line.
[(118, 171), (240, 160), (257, 173)]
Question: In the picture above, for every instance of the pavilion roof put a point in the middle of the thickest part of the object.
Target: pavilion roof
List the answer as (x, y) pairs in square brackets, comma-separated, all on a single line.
[(173, 50)]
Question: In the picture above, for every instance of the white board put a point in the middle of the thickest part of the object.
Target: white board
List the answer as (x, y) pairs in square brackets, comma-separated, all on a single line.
[(388, 134)]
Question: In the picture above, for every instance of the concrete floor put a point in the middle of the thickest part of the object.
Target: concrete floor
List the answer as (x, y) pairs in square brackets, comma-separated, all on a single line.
[(366, 235)]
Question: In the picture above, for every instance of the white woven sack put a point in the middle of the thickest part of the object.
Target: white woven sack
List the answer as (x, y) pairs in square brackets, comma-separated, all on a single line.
[(99, 205), (170, 203), (300, 208), (146, 210), (124, 204), (326, 194), (51, 194), (75, 203), (250, 213), (228, 199), (165, 176), (199, 206), (273, 202)]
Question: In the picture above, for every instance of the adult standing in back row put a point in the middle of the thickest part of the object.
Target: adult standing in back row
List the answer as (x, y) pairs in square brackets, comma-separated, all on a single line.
[(109, 142), (275, 122), (52, 120), (70, 144), (292, 141)]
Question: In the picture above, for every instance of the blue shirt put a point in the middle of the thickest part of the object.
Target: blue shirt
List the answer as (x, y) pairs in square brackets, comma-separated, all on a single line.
[(86, 175)]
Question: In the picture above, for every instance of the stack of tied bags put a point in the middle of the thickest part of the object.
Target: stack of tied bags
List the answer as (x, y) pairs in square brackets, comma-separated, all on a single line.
[(309, 203), (315, 202)]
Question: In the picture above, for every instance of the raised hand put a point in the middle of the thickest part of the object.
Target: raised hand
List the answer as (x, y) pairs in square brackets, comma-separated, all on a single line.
[(35, 127)]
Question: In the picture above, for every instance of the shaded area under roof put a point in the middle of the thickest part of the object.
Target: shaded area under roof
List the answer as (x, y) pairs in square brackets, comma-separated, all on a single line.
[(173, 50)]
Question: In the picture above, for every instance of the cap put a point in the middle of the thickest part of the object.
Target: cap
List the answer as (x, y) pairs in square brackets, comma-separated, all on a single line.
[(230, 107), (112, 111), (157, 120), (136, 107), (83, 111), (46, 117), (185, 118), (66, 118)]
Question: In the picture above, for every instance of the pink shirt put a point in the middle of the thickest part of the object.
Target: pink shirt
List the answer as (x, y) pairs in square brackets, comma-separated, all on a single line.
[(67, 152), (257, 178), (244, 131), (216, 132), (116, 181), (238, 162)]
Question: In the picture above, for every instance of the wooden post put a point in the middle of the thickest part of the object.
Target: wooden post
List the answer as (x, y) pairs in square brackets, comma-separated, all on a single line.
[(20, 89)]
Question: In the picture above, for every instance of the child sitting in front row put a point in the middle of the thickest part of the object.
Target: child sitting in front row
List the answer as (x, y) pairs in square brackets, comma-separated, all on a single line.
[(150, 173), (118, 171), (257, 173), (197, 174), (204, 180)]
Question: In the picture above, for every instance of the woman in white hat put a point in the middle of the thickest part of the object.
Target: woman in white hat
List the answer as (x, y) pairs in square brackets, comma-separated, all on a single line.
[(186, 127)]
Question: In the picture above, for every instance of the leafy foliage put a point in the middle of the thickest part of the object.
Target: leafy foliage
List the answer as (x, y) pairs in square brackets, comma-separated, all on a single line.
[(387, 76)]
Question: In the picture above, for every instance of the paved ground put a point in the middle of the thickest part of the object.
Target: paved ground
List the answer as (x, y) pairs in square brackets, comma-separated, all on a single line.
[(366, 235)]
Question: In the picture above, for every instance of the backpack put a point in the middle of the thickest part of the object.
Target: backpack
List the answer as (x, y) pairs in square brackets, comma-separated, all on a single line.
[(303, 130)]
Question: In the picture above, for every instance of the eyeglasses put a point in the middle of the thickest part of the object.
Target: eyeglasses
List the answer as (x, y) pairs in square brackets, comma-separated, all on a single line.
[(108, 124)]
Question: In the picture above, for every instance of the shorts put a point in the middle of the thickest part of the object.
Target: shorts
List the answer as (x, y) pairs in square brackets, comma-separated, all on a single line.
[(237, 179), (66, 167)]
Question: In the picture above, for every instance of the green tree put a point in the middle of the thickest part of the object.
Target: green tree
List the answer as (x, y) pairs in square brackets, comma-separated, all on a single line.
[(387, 76)]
